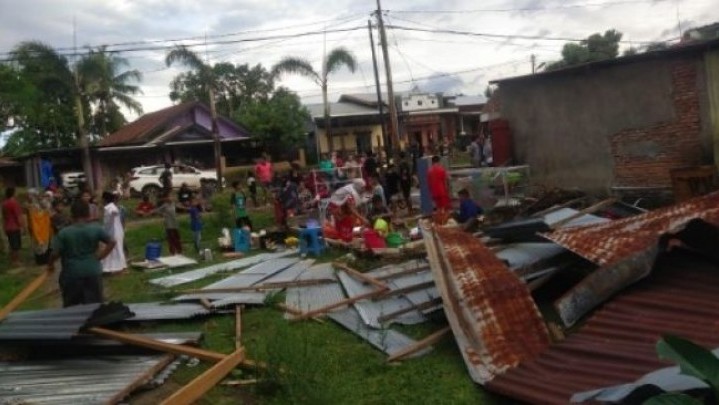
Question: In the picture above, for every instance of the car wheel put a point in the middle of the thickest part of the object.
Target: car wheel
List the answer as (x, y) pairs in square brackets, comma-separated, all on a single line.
[(151, 191)]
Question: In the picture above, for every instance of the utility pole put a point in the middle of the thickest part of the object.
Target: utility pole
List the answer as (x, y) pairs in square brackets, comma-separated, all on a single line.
[(82, 134), (388, 72), (216, 145), (387, 142), (533, 58)]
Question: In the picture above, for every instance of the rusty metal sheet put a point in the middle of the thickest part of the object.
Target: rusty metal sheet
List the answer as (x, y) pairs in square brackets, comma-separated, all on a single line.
[(617, 344), (608, 243), (493, 317)]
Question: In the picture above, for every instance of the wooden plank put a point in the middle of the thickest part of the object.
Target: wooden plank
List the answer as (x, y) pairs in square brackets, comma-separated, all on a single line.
[(24, 294), (594, 208), (259, 287), (141, 380), (426, 342), (153, 344), (240, 383), (405, 290), (206, 304), (339, 304), (296, 312), (200, 385), (420, 307), (360, 276), (238, 326), (403, 273)]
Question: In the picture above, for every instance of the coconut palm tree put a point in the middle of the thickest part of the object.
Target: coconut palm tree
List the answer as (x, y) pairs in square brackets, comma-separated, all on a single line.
[(332, 62), (108, 88), (183, 55)]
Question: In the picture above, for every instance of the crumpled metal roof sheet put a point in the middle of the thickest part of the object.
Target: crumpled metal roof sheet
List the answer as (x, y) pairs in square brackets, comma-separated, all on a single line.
[(91, 380), (610, 242), (158, 311), (617, 344), (197, 274), (61, 323), (308, 298), (492, 315)]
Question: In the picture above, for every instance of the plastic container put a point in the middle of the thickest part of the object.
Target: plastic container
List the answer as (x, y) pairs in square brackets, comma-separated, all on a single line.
[(394, 240), (153, 250)]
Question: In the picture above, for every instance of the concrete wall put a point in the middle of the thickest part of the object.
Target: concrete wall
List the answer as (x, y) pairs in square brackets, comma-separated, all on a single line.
[(348, 136), (617, 125)]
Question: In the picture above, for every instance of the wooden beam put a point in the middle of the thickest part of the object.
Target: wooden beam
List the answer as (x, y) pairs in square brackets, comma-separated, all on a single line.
[(403, 273), (339, 304), (426, 342), (200, 385), (238, 326), (360, 276), (420, 307), (24, 294), (405, 290), (264, 286), (153, 344), (590, 210), (206, 304), (296, 312)]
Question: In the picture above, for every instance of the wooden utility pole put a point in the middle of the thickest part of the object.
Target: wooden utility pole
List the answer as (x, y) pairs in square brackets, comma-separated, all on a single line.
[(388, 72), (216, 140), (533, 58), (80, 114), (380, 105)]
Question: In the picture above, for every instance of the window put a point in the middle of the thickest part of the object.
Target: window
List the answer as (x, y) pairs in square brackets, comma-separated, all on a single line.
[(148, 172), (419, 103), (432, 101)]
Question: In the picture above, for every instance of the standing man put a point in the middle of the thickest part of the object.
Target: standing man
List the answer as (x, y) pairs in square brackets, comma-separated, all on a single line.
[(77, 246), (405, 180), (263, 173), (166, 179), (437, 181), (12, 225)]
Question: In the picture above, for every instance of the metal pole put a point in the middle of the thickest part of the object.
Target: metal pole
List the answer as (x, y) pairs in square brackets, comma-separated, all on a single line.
[(380, 105)]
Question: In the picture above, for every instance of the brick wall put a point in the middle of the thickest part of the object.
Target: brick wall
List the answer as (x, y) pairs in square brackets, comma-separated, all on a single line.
[(644, 156)]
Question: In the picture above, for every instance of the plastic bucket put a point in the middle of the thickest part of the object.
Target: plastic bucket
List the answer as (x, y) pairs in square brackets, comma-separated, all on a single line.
[(153, 250)]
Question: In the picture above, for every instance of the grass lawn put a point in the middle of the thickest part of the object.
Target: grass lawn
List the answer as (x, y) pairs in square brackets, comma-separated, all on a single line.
[(308, 362)]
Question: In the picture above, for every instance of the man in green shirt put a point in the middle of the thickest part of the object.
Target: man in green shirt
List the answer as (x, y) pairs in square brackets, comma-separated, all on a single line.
[(238, 201), (77, 248)]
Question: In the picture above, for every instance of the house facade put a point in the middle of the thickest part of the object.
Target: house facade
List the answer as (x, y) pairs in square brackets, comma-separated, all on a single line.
[(619, 124)]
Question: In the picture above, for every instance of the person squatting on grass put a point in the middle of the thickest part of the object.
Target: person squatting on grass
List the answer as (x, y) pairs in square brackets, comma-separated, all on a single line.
[(76, 246), (169, 214)]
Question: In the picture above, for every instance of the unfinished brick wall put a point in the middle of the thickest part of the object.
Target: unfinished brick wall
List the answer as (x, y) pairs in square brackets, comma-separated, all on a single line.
[(643, 157)]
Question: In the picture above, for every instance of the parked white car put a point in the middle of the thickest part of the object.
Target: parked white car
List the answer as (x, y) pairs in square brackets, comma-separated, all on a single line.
[(146, 179)]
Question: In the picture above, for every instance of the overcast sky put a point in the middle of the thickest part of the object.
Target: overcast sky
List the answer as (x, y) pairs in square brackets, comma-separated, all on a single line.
[(430, 61)]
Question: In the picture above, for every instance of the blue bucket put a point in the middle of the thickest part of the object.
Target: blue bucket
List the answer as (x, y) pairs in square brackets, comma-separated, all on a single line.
[(153, 250)]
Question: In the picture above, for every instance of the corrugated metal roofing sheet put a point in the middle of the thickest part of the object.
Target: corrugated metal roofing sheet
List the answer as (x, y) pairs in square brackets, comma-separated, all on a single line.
[(92, 380), (197, 274), (617, 344), (309, 298), (493, 317), (610, 242), (158, 311), (388, 340), (246, 278), (61, 323), (369, 310)]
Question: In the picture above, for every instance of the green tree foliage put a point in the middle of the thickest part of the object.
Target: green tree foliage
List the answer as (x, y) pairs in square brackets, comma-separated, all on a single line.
[(234, 86), (333, 62), (278, 122), (595, 47), (107, 87)]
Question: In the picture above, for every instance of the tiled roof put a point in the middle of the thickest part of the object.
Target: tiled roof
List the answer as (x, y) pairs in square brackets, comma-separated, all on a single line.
[(137, 131), (493, 317), (617, 344)]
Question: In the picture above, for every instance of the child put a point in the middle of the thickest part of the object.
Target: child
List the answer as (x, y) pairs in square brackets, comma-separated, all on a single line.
[(239, 201), (252, 186), (195, 222), (169, 213), (145, 207), (379, 215), (468, 212)]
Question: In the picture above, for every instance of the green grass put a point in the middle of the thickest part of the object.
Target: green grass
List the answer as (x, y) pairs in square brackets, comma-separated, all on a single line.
[(308, 362)]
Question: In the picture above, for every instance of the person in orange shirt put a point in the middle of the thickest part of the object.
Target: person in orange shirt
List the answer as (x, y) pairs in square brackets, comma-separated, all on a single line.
[(263, 173), (437, 180)]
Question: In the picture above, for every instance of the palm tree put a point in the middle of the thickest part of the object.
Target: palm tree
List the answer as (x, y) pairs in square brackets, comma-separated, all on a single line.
[(107, 88), (332, 62), (182, 54)]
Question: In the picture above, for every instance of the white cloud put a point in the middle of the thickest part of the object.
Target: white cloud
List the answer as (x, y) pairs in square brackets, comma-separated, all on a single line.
[(413, 54)]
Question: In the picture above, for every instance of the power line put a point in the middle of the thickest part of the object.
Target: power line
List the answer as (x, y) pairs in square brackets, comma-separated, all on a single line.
[(519, 9)]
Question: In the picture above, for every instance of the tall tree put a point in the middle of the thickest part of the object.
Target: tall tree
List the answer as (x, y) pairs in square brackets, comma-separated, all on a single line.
[(596, 47), (278, 122), (334, 61), (206, 77), (108, 88)]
